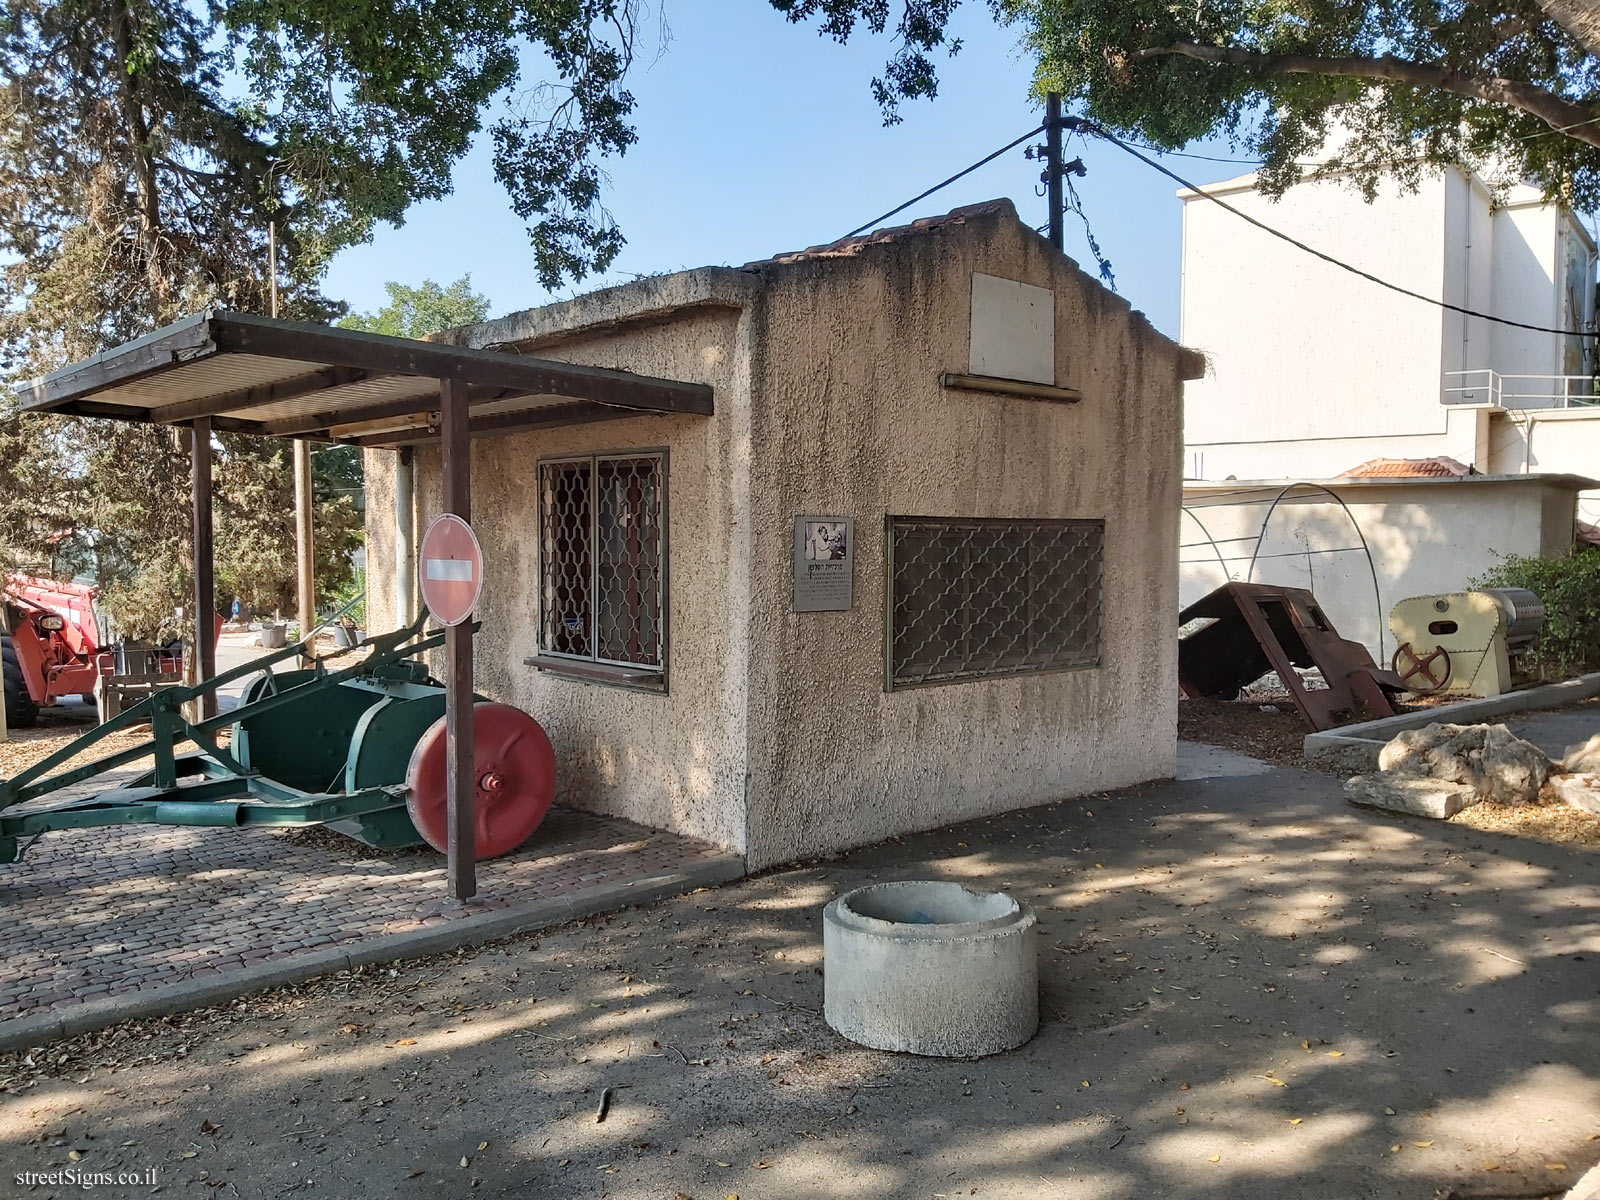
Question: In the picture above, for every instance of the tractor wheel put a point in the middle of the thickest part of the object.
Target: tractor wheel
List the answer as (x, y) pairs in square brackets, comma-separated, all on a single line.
[(21, 711)]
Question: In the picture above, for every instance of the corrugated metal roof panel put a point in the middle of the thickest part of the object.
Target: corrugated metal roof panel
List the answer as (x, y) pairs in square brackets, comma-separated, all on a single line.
[(260, 375), (211, 376)]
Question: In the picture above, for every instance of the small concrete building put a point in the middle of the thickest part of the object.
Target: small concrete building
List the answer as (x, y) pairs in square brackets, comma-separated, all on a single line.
[(917, 566)]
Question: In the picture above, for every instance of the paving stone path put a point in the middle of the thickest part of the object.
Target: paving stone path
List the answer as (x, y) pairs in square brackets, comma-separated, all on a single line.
[(95, 913)]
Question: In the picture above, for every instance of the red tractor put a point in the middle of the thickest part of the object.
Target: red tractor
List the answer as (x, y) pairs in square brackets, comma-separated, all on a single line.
[(52, 648)]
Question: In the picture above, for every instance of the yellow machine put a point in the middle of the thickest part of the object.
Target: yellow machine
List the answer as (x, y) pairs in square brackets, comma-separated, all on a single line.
[(1472, 643)]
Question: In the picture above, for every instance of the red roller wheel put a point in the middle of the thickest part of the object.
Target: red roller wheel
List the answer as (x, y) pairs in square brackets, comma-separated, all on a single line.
[(515, 770)]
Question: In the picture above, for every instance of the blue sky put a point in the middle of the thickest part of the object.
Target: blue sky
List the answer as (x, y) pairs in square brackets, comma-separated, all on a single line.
[(757, 137)]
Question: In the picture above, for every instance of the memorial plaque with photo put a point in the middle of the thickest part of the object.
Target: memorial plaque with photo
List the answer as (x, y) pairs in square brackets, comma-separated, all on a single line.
[(824, 562)]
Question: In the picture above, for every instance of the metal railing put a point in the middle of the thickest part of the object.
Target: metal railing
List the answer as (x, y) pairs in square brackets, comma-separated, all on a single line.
[(1488, 386)]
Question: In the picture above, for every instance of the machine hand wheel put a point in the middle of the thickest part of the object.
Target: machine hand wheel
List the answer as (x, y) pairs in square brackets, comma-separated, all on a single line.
[(1422, 673), (514, 768)]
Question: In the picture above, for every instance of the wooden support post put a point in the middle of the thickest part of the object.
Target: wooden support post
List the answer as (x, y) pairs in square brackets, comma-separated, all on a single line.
[(205, 591), (5, 627), (304, 554), (455, 450)]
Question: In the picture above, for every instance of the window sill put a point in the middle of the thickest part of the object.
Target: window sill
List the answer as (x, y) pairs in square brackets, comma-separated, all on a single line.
[(641, 679), (1021, 388)]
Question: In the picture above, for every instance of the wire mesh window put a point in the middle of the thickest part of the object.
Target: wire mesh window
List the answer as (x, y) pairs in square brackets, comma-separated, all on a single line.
[(976, 598), (602, 542)]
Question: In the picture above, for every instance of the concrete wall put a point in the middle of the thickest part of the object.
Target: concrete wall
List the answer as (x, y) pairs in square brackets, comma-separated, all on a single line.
[(1457, 434), (1549, 441), (1425, 536), (852, 421), (674, 761), (1526, 289), (1298, 348)]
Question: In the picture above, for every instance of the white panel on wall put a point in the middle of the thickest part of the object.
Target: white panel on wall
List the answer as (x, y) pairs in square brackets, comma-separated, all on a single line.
[(1013, 330)]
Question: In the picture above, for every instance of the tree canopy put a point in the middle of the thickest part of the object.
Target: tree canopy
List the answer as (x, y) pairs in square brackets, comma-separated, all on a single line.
[(1510, 86), (415, 312), (148, 146)]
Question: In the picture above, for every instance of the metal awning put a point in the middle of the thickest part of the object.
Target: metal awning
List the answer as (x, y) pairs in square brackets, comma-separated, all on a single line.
[(247, 374), (261, 375)]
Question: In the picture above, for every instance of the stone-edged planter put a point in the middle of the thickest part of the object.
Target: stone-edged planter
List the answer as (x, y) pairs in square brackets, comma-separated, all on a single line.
[(927, 967)]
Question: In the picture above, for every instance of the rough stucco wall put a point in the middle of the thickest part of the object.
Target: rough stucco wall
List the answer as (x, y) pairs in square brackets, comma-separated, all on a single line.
[(850, 420), (673, 761), (379, 468)]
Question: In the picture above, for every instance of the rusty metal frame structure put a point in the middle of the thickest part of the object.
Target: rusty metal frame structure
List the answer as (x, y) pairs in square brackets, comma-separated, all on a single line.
[(240, 373), (1272, 504), (1256, 627)]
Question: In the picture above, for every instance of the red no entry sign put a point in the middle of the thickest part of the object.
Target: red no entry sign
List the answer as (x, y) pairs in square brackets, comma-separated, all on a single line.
[(451, 568)]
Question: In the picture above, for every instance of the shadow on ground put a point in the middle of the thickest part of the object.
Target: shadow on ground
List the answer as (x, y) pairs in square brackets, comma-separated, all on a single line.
[(1250, 990)]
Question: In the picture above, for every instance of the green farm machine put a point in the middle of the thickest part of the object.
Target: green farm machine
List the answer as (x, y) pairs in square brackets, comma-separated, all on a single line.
[(360, 749)]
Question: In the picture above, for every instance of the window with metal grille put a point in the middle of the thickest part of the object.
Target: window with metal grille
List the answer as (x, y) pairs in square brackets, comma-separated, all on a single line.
[(970, 599), (602, 552)]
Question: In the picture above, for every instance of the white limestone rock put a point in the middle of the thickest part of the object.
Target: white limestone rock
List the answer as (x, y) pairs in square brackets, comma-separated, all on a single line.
[(1490, 759), (1580, 790), (1584, 758), (1417, 795)]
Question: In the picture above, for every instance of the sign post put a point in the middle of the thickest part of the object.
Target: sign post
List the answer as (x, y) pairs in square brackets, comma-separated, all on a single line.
[(450, 564)]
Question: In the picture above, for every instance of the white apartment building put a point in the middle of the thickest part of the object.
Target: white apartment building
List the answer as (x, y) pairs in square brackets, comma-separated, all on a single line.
[(1313, 370)]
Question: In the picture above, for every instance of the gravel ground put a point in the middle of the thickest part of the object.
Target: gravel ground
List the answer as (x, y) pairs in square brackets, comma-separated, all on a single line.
[(1278, 737), (1250, 990), (24, 747)]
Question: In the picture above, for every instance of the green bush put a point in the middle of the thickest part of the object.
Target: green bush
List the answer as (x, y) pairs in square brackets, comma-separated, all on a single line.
[(1570, 589), (355, 586)]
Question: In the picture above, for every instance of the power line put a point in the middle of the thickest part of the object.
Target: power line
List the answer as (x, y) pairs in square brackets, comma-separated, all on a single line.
[(1313, 163), (984, 161), (1095, 130), (1084, 126), (1241, 162)]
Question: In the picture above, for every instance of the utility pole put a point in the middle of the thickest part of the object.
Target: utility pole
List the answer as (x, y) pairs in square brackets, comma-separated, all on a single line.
[(1053, 168)]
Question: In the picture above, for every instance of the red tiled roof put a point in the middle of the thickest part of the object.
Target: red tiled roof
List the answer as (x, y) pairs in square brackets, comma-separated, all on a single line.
[(1409, 468), (1587, 534), (854, 245)]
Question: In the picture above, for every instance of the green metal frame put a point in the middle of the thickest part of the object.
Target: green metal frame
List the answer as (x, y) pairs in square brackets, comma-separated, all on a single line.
[(209, 785)]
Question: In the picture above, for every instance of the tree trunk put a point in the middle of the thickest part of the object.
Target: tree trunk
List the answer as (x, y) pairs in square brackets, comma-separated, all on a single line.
[(1562, 115), (138, 132), (1580, 18)]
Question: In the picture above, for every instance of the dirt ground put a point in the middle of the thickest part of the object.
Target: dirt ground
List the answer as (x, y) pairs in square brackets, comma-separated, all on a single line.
[(1268, 729), (1250, 990)]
